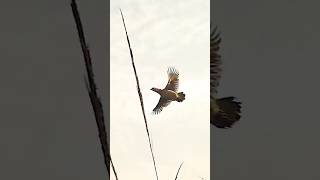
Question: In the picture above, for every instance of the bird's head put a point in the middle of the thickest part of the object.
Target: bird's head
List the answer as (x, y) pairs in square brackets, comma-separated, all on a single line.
[(155, 90)]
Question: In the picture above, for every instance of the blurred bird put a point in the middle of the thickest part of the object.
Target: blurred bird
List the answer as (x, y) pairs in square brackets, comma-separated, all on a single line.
[(224, 112), (170, 92)]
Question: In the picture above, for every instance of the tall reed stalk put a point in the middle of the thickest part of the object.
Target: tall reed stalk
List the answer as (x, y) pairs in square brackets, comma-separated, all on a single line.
[(92, 91)]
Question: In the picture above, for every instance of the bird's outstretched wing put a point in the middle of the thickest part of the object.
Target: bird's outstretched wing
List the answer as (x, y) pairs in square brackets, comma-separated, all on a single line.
[(161, 104), (215, 61), (173, 82)]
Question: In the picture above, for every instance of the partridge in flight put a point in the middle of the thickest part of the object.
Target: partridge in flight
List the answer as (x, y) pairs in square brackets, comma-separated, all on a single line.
[(224, 112), (170, 92)]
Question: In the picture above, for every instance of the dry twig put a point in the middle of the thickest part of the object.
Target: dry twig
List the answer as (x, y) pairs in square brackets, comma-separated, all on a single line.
[(178, 171)]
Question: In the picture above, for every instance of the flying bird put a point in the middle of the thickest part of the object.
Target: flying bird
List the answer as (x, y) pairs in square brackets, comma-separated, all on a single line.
[(224, 112), (170, 92)]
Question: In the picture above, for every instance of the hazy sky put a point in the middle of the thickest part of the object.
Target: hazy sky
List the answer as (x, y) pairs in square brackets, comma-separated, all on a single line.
[(162, 33)]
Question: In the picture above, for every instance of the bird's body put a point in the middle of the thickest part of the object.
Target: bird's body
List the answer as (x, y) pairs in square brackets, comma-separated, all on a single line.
[(170, 92), (224, 112), (170, 95)]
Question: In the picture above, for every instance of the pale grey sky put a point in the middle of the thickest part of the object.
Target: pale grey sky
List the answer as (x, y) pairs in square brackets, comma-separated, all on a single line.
[(162, 34)]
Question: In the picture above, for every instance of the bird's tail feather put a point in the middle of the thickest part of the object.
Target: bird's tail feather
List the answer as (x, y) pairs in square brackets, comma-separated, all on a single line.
[(228, 112), (181, 97)]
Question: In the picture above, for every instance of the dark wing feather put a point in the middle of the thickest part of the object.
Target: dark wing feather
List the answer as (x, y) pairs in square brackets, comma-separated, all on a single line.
[(161, 104), (215, 61), (173, 79), (229, 113)]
